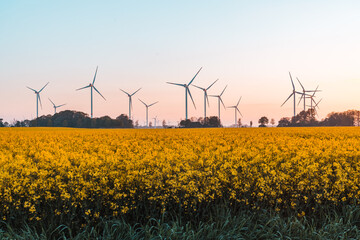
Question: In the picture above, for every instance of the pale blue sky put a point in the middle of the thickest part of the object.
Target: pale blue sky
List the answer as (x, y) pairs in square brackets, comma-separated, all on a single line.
[(249, 45)]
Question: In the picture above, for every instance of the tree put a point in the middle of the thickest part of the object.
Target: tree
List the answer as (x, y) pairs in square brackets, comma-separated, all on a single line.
[(284, 122), (239, 122), (263, 121), (251, 123), (150, 124), (1, 123), (272, 122), (164, 123)]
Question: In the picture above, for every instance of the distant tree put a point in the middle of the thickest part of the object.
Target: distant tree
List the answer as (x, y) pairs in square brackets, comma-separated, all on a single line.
[(239, 122), (213, 121), (137, 123), (263, 121), (272, 122), (284, 122), (150, 124), (1, 123), (164, 123), (251, 123), (340, 119)]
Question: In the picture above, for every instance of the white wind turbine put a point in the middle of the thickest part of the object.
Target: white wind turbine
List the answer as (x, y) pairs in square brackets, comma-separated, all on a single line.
[(155, 120), (236, 110), (220, 100), (305, 93), (55, 107), (294, 92), (147, 110), (38, 99), (91, 86), (187, 90), (206, 98), (130, 100)]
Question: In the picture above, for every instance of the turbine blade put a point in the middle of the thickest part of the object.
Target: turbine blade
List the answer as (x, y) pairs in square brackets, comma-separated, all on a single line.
[(315, 90), (207, 98), (199, 87), (301, 85), (153, 103), (39, 100), (302, 95), (239, 112), (142, 102), (194, 77), (223, 91), (177, 84), (99, 92), (61, 105), (212, 84), (292, 81), (82, 87), (135, 92), (124, 92), (238, 101), (318, 104), (287, 99), (43, 87), (52, 102), (31, 88), (191, 96), (222, 102), (95, 75)]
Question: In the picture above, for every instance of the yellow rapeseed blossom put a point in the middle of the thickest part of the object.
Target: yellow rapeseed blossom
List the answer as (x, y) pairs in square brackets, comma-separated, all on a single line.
[(99, 172)]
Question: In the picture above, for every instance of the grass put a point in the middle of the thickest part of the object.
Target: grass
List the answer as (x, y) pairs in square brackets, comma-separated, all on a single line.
[(222, 223)]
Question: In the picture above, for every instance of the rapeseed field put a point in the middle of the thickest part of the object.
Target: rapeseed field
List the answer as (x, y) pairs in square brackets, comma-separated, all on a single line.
[(92, 173)]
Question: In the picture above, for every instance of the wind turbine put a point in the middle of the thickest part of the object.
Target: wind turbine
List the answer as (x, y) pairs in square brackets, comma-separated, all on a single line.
[(55, 107), (147, 109), (292, 94), (206, 98), (236, 110), (220, 100), (304, 93), (91, 86), (130, 100), (38, 99), (155, 120), (187, 90)]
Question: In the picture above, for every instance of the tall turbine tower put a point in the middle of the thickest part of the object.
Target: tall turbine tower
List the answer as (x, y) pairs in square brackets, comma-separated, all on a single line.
[(220, 100), (186, 86), (292, 94), (91, 86), (147, 110), (55, 107), (305, 93), (38, 99), (206, 98), (130, 100), (236, 110)]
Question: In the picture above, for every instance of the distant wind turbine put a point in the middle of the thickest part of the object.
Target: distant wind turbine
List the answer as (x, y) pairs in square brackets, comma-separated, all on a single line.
[(305, 93), (55, 107), (220, 100), (38, 99), (236, 110), (294, 92), (155, 120), (91, 85), (130, 100), (147, 109), (206, 98), (186, 86)]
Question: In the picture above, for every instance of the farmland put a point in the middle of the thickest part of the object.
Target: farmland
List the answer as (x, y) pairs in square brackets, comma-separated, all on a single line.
[(82, 176)]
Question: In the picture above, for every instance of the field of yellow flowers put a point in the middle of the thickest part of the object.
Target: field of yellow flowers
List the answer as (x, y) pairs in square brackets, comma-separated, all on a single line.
[(88, 174)]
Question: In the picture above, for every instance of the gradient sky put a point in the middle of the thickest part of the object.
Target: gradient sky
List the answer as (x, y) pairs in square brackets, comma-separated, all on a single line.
[(249, 45)]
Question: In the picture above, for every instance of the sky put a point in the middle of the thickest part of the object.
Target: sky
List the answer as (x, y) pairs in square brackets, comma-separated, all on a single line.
[(250, 46)]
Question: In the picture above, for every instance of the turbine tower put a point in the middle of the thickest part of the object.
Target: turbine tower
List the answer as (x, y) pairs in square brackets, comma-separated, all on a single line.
[(155, 120), (206, 98), (91, 86), (236, 110), (304, 93), (147, 110), (220, 100), (130, 100), (186, 86), (55, 107), (292, 94), (38, 99)]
